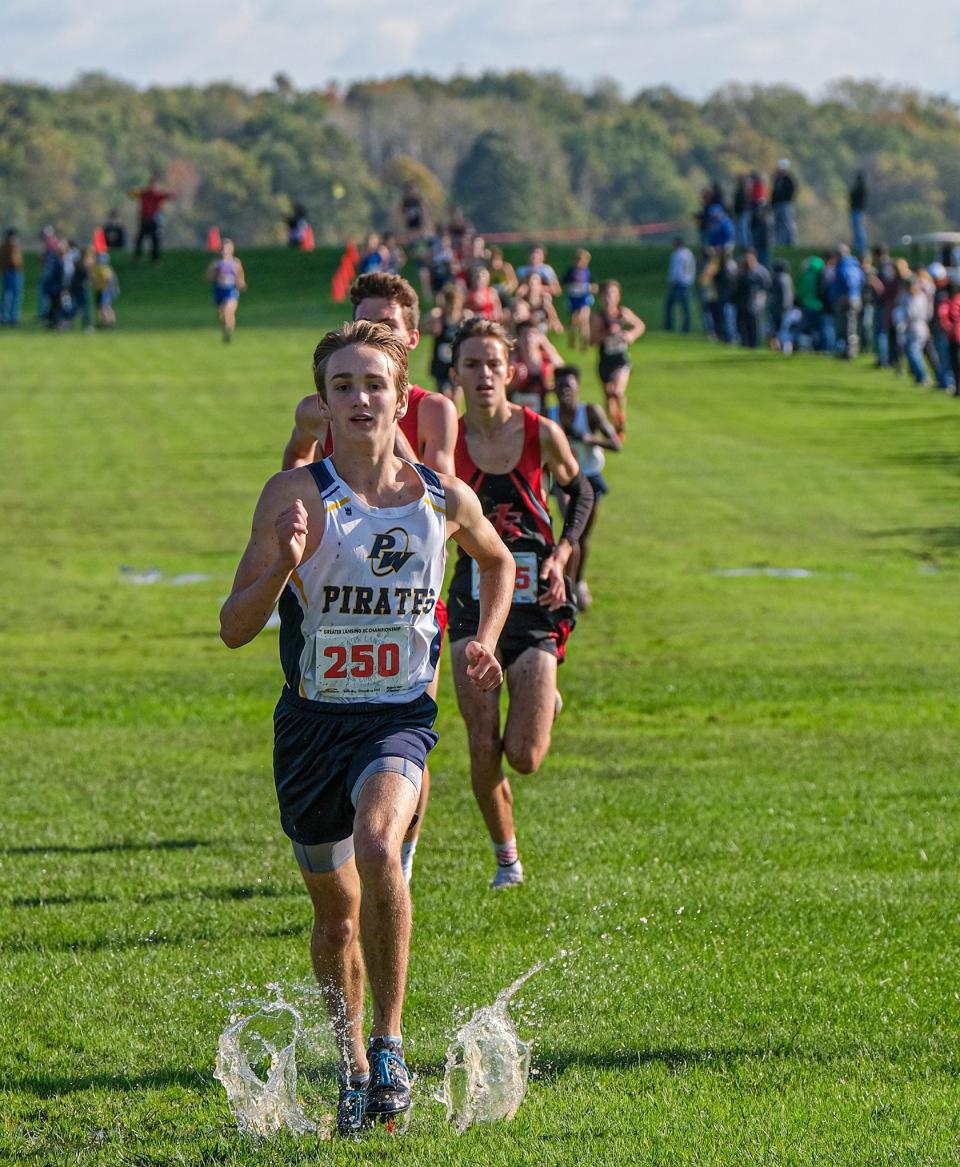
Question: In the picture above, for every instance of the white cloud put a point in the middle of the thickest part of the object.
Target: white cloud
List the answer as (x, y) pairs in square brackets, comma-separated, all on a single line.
[(693, 45)]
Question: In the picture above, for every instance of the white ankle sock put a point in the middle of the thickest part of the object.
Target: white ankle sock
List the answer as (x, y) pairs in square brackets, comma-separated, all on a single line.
[(407, 852), (506, 853)]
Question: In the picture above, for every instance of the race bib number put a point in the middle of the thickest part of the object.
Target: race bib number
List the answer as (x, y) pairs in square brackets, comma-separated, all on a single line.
[(362, 662), (525, 586)]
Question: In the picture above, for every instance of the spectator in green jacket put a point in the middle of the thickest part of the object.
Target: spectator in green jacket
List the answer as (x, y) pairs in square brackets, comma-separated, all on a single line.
[(809, 299)]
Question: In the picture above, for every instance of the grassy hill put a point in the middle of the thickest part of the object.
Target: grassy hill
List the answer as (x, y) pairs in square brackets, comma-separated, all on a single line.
[(744, 841)]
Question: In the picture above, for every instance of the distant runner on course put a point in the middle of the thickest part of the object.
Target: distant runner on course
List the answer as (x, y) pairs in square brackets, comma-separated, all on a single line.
[(228, 279), (613, 329)]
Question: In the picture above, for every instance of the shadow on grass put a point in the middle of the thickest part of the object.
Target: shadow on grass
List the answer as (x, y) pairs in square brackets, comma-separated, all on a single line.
[(105, 848), (851, 402), (53, 1085), (936, 459), (151, 939), (216, 894), (933, 538), (552, 1065), (222, 894), (57, 901)]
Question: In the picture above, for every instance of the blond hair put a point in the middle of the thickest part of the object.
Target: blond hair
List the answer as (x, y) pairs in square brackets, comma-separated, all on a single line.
[(362, 333)]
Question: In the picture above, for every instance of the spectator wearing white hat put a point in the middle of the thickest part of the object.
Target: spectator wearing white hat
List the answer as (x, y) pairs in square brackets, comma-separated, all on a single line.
[(782, 194)]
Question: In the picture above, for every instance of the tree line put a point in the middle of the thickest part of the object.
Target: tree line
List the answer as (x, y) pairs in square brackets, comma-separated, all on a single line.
[(519, 151)]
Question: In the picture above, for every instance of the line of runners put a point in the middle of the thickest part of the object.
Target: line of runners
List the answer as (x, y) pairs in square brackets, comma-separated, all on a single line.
[(349, 540)]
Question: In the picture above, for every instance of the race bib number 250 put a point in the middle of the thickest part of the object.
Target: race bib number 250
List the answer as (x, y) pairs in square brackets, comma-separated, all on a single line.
[(360, 662), (525, 585)]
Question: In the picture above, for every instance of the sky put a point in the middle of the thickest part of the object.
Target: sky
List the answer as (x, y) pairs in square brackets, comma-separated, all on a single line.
[(695, 46)]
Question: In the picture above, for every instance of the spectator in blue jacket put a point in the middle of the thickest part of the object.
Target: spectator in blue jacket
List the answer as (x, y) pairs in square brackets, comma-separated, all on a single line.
[(846, 295), (680, 279), (718, 228)]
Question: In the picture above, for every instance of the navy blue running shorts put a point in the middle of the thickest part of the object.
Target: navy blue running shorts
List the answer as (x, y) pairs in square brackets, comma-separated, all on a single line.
[(323, 754)]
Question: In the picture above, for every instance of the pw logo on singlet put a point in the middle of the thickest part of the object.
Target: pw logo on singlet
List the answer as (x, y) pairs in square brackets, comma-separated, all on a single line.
[(506, 521), (389, 552)]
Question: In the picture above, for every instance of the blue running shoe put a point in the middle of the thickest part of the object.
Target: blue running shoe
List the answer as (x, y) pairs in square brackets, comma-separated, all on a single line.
[(351, 1119), (388, 1094)]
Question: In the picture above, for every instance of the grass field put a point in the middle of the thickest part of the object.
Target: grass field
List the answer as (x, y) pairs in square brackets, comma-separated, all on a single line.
[(745, 838)]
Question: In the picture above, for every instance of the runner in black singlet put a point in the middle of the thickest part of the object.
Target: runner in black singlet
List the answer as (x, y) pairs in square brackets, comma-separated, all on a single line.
[(613, 329)]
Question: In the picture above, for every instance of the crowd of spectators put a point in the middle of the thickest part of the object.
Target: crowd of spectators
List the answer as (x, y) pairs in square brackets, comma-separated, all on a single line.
[(849, 300), (77, 285), (906, 317)]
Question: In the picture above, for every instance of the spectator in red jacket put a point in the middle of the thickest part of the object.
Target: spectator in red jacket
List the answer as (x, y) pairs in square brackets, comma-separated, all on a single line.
[(151, 198), (948, 314)]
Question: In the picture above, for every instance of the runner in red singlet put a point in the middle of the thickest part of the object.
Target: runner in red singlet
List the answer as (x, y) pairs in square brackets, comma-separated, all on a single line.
[(534, 360), (482, 299)]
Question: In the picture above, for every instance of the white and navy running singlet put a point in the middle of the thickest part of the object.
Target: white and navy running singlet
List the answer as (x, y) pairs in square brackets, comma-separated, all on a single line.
[(358, 619)]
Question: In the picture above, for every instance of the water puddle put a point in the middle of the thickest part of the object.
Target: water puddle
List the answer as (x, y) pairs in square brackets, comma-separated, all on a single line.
[(257, 1065), (153, 575), (488, 1065), (486, 1072), (774, 572)]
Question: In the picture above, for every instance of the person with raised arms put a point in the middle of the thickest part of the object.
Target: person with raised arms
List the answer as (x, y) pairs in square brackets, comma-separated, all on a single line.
[(353, 549), (502, 452), (427, 433)]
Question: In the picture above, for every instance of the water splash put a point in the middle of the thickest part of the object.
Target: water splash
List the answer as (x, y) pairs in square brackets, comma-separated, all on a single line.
[(485, 1078), (266, 1039)]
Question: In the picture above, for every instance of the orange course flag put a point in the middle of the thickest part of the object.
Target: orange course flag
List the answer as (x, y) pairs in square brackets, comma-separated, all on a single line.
[(306, 239), (99, 241), (339, 285), (214, 242)]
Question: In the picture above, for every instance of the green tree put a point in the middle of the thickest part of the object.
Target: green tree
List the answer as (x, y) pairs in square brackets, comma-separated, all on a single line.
[(496, 188)]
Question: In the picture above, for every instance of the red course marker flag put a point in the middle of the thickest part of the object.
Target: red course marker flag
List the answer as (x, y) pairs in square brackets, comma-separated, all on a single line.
[(99, 240), (346, 269), (338, 286), (214, 242)]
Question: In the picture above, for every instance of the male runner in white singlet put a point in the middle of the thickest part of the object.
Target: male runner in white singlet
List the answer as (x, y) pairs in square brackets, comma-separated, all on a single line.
[(353, 548), (429, 426)]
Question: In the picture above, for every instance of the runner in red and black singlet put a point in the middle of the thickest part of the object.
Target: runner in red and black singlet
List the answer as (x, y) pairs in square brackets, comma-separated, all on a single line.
[(482, 299), (502, 451), (426, 434), (540, 303), (514, 503)]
